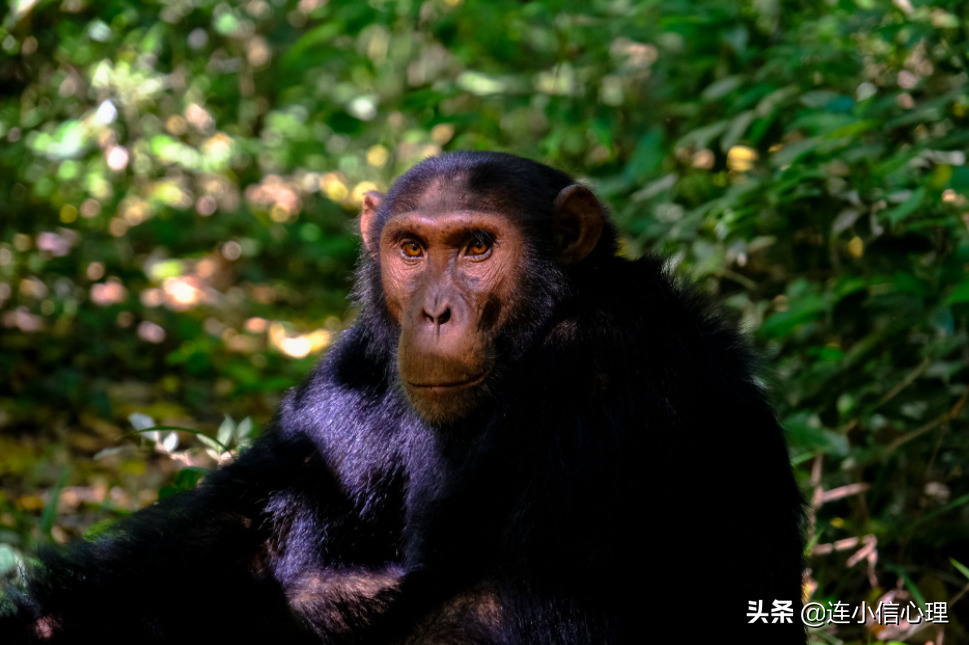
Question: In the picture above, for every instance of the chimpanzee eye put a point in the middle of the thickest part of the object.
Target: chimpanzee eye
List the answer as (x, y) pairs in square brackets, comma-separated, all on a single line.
[(479, 246), (411, 249)]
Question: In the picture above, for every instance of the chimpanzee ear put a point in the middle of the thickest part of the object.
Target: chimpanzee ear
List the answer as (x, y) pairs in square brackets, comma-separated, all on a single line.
[(580, 222), (371, 202)]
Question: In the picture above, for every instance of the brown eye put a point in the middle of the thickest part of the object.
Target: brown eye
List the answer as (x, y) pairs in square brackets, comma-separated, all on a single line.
[(479, 247), (411, 250)]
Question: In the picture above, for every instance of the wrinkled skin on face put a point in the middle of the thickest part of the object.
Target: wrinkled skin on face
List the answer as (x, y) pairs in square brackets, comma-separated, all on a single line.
[(450, 276), (448, 279)]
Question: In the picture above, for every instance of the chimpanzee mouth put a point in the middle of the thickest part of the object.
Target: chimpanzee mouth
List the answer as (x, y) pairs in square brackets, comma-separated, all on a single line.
[(471, 382)]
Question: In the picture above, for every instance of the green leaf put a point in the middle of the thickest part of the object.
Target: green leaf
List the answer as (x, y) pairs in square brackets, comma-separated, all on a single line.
[(647, 157), (50, 508), (204, 438), (738, 126), (226, 430), (314, 38), (963, 569), (799, 312), (960, 293), (805, 435), (721, 88), (701, 137), (906, 208)]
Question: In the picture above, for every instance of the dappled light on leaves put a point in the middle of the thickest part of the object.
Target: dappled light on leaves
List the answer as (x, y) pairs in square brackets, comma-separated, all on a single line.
[(299, 345)]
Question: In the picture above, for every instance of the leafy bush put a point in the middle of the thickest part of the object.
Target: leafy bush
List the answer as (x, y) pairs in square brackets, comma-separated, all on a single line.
[(178, 183)]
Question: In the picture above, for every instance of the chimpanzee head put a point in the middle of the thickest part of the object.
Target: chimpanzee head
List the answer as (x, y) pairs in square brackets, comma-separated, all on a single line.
[(467, 256)]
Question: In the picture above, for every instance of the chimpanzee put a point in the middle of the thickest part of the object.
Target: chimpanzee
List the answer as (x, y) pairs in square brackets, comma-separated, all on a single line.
[(524, 438)]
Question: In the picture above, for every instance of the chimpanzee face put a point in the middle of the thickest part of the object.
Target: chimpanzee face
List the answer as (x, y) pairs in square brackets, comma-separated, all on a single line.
[(449, 280), (452, 277)]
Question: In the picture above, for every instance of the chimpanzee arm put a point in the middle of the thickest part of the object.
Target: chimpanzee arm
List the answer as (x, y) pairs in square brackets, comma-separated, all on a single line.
[(426, 610), (198, 555), (243, 554)]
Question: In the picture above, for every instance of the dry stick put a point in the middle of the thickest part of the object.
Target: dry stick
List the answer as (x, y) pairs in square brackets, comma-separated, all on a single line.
[(922, 625), (891, 394), (816, 496), (869, 549), (945, 417), (840, 545), (820, 496), (935, 452), (843, 491), (912, 630), (742, 280), (956, 598), (904, 383)]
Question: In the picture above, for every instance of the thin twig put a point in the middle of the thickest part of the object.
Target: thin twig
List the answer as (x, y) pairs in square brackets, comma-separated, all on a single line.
[(843, 491), (945, 417), (904, 383)]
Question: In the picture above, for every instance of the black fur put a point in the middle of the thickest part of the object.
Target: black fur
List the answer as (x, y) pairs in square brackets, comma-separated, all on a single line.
[(627, 481)]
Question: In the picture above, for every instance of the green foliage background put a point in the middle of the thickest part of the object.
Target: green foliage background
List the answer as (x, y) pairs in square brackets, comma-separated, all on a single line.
[(179, 179)]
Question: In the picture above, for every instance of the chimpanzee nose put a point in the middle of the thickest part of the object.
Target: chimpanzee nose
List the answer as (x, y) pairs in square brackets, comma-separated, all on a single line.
[(437, 313)]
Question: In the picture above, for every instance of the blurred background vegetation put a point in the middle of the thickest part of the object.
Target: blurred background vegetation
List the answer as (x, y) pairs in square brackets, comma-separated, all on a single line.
[(179, 180)]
